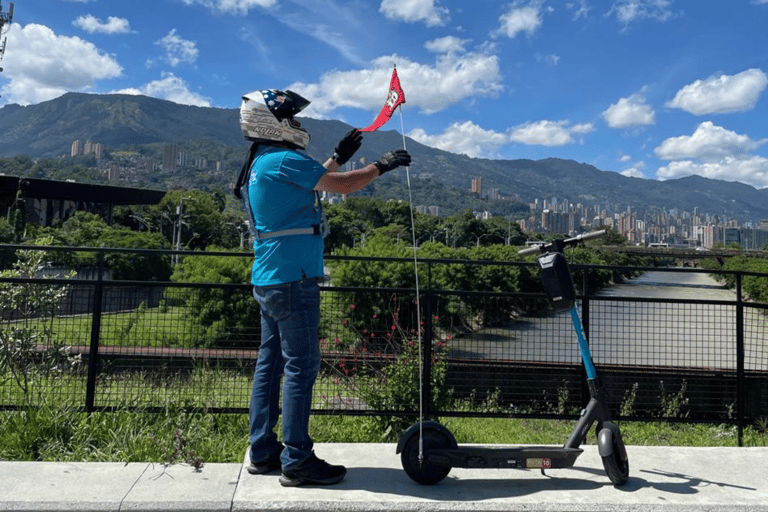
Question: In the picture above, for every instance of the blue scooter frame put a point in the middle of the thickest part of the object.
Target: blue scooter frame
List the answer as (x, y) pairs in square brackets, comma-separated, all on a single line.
[(429, 450)]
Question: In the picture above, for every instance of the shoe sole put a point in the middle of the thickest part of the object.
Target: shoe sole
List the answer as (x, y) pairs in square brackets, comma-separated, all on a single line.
[(259, 470), (286, 481)]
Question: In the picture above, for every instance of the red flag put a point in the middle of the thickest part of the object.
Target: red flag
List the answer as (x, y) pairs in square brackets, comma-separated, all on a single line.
[(395, 97)]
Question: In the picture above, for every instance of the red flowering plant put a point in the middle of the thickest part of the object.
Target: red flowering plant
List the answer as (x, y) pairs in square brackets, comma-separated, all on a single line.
[(378, 365)]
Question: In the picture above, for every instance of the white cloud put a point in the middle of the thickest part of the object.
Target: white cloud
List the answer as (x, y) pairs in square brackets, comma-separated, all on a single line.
[(627, 11), (721, 94), (412, 11), (171, 88), (447, 44), (521, 18), (752, 170), (463, 138), (581, 9), (551, 59), (178, 50), (629, 112), (232, 6), (472, 140), (92, 25), (41, 65), (451, 80), (635, 171), (548, 133), (331, 24), (708, 141), (716, 153)]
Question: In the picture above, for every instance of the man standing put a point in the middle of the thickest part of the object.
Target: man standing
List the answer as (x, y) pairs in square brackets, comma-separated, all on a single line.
[(279, 186)]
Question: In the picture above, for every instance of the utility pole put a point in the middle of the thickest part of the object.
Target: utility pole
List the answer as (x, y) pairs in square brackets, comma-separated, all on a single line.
[(5, 19), (180, 212)]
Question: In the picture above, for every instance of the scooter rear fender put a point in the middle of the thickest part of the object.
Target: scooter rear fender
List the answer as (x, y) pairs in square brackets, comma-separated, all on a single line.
[(426, 425)]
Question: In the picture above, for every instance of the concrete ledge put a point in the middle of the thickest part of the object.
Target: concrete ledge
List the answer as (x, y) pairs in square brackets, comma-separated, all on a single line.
[(661, 479), (66, 486)]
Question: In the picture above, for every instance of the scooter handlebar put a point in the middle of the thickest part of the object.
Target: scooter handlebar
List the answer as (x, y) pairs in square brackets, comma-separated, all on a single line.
[(546, 247), (534, 249), (589, 236)]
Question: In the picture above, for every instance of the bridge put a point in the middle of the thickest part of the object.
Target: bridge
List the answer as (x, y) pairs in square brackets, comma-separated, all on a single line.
[(684, 254)]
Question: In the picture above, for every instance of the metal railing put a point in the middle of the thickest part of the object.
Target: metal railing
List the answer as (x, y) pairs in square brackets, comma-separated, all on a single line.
[(122, 344)]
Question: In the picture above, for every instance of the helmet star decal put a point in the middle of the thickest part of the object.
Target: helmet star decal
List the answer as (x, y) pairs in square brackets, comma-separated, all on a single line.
[(273, 98), (267, 115)]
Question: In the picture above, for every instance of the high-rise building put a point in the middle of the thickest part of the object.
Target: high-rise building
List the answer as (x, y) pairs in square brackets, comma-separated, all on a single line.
[(170, 154), (76, 148), (477, 186)]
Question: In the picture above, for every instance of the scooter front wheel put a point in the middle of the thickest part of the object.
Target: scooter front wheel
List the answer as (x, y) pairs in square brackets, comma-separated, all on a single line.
[(422, 471), (615, 462)]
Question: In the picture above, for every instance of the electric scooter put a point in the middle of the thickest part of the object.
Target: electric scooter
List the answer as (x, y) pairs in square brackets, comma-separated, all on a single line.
[(428, 450)]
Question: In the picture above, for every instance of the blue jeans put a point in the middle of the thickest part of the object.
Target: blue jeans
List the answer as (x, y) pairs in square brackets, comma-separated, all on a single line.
[(290, 315)]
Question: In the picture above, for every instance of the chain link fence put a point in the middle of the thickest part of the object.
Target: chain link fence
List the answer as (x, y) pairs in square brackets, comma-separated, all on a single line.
[(110, 344)]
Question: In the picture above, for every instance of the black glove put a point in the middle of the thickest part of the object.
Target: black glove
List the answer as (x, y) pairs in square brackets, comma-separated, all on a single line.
[(392, 160), (347, 146)]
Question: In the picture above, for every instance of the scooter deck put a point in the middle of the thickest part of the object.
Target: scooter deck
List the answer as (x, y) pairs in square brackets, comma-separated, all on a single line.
[(528, 457)]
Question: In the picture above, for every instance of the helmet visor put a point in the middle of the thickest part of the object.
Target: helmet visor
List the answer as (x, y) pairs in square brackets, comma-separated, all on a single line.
[(284, 105)]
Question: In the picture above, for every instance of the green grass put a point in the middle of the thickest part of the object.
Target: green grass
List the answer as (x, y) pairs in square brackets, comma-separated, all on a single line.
[(62, 434), (168, 327), (54, 428), (537, 431)]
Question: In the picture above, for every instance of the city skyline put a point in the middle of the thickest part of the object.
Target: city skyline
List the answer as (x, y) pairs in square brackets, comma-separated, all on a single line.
[(654, 89)]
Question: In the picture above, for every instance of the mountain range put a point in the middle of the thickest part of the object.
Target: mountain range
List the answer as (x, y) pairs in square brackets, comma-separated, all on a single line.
[(119, 121)]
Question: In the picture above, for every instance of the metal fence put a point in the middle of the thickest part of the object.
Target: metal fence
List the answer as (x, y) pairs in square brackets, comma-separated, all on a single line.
[(120, 344)]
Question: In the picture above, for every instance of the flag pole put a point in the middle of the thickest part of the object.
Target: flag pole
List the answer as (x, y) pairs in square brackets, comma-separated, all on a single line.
[(418, 296)]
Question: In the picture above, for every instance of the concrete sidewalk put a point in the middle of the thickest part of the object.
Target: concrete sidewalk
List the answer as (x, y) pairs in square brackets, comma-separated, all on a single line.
[(661, 478)]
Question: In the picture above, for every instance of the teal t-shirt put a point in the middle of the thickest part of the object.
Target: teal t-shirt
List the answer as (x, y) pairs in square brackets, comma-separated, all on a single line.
[(281, 196)]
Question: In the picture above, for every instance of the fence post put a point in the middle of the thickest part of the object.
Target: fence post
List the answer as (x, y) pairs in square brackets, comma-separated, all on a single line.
[(93, 353), (426, 341), (739, 361)]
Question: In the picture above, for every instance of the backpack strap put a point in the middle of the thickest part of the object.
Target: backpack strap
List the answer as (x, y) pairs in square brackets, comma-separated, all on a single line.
[(243, 177)]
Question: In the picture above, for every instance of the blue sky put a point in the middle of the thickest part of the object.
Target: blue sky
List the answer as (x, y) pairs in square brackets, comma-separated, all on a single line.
[(656, 89)]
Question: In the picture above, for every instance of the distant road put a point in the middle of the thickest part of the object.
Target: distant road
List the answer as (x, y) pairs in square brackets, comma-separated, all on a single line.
[(636, 333)]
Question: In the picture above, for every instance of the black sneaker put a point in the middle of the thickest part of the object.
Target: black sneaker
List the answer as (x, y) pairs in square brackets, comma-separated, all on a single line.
[(265, 466), (313, 471)]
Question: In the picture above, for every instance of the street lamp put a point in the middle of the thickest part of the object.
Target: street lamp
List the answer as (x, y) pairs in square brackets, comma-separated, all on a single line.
[(144, 222), (180, 212), (362, 235), (478, 238)]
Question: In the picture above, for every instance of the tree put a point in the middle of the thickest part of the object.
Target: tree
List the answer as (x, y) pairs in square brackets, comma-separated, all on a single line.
[(138, 266), (464, 230), (83, 229), (16, 165), (450, 310), (89, 230), (193, 219), (226, 315), (346, 228), (29, 348), (505, 230)]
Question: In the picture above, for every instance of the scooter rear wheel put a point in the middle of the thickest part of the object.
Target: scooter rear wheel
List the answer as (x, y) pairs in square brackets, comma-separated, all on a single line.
[(617, 463), (423, 472)]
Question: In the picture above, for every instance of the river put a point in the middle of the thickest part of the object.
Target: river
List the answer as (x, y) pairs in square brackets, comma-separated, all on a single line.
[(638, 332)]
